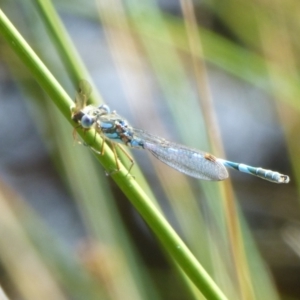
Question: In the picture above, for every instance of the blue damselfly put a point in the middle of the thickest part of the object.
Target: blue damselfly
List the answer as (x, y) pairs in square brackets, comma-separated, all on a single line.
[(114, 128)]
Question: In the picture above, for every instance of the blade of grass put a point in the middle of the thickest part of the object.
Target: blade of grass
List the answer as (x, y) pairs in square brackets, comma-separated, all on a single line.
[(166, 59), (123, 44), (90, 188), (72, 62), (16, 244), (164, 232), (29, 235), (70, 57)]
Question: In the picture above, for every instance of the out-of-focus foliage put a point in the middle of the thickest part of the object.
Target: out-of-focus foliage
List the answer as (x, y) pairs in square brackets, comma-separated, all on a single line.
[(227, 83)]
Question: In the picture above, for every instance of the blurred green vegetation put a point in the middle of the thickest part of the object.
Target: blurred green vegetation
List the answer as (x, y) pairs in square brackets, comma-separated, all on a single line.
[(168, 51)]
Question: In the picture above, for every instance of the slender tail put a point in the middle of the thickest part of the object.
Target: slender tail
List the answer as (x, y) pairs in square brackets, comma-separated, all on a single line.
[(269, 175)]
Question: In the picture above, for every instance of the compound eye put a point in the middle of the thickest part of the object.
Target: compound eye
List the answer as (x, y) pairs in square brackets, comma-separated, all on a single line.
[(105, 108), (87, 121)]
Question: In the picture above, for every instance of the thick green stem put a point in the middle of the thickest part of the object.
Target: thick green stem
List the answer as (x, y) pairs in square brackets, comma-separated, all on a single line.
[(165, 233)]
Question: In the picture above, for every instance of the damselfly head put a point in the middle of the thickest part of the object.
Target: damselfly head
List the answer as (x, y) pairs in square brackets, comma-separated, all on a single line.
[(87, 121)]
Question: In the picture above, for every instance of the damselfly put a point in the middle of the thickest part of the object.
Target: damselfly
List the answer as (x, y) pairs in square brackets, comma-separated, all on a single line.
[(114, 128)]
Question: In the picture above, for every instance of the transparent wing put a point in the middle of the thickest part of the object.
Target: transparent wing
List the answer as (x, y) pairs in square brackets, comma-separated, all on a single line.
[(186, 160)]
